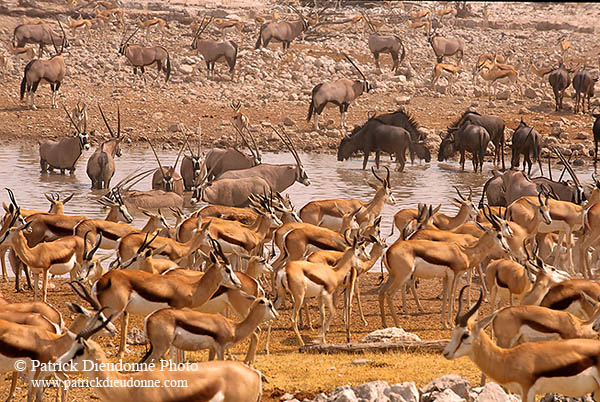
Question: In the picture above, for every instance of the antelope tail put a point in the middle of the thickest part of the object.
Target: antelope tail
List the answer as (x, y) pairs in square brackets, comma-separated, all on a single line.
[(536, 148), (311, 107), (168, 71), (24, 82), (259, 40), (232, 65)]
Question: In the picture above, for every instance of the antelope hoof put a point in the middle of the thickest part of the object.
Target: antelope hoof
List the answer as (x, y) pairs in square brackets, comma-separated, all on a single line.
[(33, 107)]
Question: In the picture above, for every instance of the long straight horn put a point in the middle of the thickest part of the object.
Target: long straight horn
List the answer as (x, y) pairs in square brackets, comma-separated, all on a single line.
[(64, 38), (244, 140), (256, 149), (185, 141), (567, 166), (355, 66), (292, 147), (70, 118), (131, 36), (112, 134), (158, 160), (199, 132), (118, 120)]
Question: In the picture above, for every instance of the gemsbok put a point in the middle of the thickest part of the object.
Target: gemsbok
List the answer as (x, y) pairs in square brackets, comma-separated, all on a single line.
[(284, 31), (141, 56), (101, 164), (213, 50)]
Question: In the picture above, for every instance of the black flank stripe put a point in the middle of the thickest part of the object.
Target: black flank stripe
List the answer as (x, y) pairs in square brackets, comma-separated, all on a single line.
[(569, 370), (563, 304)]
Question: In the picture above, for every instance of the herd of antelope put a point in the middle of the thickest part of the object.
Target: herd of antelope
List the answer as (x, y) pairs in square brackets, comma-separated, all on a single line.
[(534, 242)]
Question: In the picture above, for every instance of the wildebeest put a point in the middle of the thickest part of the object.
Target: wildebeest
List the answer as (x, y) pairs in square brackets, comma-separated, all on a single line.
[(40, 34), (284, 32), (466, 138), (341, 92), (401, 118), (387, 44), (526, 142), (101, 164), (494, 126), (559, 81), (583, 83), (141, 56), (445, 46), (596, 131), (63, 154), (213, 50), (374, 136)]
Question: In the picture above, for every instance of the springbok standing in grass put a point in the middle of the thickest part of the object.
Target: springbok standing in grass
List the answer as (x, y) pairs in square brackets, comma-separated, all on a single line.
[(101, 164), (52, 71), (213, 50), (141, 56)]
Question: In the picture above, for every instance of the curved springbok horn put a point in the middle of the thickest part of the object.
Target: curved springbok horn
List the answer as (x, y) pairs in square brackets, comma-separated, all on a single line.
[(85, 243), (96, 247), (158, 160), (459, 194), (462, 320), (375, 174), (70, 118), (355, 66), (11, 195), (69, 197), (85, 294), (387, 178), (89, 331)]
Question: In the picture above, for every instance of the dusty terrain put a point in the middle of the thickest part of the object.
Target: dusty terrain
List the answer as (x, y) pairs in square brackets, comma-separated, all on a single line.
[(273, 86)]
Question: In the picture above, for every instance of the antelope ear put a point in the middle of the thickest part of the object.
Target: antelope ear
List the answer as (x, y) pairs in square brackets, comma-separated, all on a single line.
[(6, 208), (373, 186)]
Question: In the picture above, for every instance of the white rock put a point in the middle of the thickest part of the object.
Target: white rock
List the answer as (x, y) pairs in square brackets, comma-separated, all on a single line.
[(389, 335), (456, 383), (446, 395), (404, 392), (492, 392), (371, 392), (186, 69)]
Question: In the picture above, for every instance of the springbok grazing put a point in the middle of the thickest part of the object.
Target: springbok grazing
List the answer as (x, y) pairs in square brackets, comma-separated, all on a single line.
[(118, 288), (64, 154), (163, 328), (25, 52), (303, 279), (279, 177), (427, 259), (341, 92), (284, 32), (150, 22), (40, 34), (205, 382), (52, 71), (213, 50), (526, 141), (222, 24), (421, 24), (566, 367), (57, 257), (450, 70), (167, 179), (101, 164), (559, 81), (113, 12), (374, 136), (466, 138), (540, 72), (81, 23), (583, 83), (445, 46), (421, 14), (494, 126), (219, 161), (141, 56)]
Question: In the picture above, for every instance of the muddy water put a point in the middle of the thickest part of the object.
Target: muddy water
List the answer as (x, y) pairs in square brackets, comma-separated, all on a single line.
[(431, 183)]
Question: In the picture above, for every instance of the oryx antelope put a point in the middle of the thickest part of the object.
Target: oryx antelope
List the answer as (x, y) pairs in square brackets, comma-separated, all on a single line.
[(445, 46), (191, 166), (64, 154), (341, 92), (279, 177), (167, 179), (101, 164), (141, 56), (284, 32), (213, 50), (52, 71), (40, 34)]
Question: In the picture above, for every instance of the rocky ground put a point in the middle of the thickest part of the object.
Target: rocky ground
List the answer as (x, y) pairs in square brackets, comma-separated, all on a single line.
[(275, 87)]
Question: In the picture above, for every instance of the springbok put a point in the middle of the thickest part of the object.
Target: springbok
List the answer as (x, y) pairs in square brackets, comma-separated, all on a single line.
[(450, 70), (341, 92), (223, 23), (495, 75), (213, 50), (159, 22), (141, 56), (284, 32), (64, 154), (52, 71), (567, 367), (80, 23), (101, 164)]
